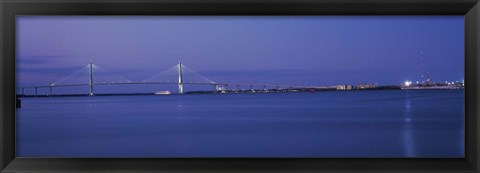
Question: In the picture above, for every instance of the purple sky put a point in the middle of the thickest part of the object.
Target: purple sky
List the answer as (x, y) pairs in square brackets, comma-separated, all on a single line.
[(313, 50)]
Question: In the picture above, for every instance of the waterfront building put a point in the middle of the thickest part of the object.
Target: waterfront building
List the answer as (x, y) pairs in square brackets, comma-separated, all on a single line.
[(344, 87), (366, 86)]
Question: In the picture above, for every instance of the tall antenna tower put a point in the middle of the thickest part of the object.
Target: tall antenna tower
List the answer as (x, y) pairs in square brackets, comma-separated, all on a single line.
[(425, 75)]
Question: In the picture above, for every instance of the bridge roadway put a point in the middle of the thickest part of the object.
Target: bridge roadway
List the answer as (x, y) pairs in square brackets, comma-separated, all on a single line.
[(176, 83)]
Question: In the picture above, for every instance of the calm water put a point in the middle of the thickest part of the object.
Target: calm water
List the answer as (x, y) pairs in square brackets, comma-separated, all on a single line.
[(393, 123)]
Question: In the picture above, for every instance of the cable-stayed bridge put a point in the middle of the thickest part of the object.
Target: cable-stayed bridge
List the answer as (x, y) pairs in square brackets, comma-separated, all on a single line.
[(92, 75)]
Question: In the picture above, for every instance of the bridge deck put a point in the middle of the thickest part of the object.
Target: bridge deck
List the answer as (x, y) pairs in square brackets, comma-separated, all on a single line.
[(175, 83)]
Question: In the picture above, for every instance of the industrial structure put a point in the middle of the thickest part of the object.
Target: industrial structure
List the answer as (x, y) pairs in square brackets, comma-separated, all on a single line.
[(427, 82)]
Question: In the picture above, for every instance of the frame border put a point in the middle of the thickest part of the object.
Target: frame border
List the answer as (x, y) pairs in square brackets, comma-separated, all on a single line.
[(10, 8)]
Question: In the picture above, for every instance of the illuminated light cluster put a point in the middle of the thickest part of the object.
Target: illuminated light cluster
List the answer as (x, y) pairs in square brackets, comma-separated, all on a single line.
[(407, 83)]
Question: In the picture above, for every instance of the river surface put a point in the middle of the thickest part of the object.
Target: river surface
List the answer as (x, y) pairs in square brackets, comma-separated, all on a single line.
[(389, 123)]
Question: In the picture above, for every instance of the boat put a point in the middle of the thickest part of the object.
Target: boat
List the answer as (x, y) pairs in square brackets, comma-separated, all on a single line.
[(163, 92)]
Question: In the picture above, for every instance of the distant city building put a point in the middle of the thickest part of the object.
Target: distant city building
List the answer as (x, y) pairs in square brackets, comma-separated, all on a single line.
[(366, 86), (344, 87)]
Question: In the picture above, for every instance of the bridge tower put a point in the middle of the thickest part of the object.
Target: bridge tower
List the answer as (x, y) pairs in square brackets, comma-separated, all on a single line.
[(91, 78), (215, 88), (180, 78)]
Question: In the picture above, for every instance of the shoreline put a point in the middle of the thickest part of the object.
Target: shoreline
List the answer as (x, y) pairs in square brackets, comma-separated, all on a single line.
[(229, 92)]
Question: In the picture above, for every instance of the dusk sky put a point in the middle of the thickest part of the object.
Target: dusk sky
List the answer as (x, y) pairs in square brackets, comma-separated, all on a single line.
[(310, 50)]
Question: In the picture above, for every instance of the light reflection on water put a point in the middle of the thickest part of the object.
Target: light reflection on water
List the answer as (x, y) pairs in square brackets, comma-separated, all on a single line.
[(324, 124), (408, 130)]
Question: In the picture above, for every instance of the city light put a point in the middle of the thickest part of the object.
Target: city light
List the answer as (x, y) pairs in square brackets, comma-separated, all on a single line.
[(407, 83)]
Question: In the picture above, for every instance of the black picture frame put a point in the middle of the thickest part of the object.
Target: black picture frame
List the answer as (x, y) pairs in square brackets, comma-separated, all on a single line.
[(11, 8)]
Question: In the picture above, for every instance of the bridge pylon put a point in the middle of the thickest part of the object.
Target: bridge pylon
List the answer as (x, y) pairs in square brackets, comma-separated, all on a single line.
[(91, 78), (180, 78), (216, 87)]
